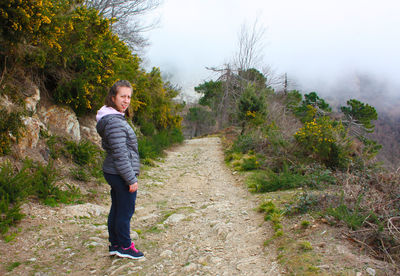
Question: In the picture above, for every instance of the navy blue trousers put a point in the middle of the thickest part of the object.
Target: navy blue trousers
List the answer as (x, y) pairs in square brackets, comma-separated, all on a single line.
[(121, 211)]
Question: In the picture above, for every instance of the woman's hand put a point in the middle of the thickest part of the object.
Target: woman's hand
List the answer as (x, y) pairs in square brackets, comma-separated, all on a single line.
[(133, 187)]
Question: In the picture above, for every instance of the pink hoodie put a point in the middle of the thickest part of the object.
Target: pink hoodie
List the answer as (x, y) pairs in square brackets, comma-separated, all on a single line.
[(106, 110)]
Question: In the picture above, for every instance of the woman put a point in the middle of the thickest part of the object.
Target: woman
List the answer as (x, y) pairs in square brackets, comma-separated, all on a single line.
[(121, 167)]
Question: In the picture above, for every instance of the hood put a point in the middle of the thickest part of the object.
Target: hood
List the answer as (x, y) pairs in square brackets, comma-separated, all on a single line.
[(104, 115), (106, 110)]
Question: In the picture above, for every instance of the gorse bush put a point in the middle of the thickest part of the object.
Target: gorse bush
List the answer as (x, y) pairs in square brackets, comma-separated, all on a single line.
[(325, 139), (77, 57), (250, 163), (34, 21), (93, 55)]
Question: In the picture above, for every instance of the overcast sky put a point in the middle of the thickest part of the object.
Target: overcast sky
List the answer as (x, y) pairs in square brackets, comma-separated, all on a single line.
[(318, 43)]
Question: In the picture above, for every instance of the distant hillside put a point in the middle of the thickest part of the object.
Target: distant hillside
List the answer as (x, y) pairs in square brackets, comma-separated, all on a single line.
[(387, 133)]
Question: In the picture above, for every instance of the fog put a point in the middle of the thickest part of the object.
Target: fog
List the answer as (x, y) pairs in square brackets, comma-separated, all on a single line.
[(340, 49)]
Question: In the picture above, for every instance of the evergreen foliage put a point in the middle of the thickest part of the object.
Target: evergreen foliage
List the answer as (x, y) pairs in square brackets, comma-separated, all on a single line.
[(361, 113), (212, 92), (251, 106), (312, 107)]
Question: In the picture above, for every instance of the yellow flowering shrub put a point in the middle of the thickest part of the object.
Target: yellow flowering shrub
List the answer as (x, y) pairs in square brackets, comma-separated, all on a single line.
[(33, 22), (78, 57), (158, 107), (92, 55), (325, 140)]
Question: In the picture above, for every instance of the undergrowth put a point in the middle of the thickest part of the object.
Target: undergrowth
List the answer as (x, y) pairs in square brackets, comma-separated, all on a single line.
[(151, 147), (269, 181), (33, 179), (11, 127), (332, 173)]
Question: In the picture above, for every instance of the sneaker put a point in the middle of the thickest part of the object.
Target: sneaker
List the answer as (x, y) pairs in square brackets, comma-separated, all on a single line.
[(113, 249), (130, 252)]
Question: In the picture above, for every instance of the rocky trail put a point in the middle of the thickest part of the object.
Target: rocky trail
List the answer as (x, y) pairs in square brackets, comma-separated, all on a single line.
[(193, 217)]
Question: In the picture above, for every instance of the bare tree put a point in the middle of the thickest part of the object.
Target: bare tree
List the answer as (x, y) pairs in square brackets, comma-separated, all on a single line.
[(250, 40), (129, 18), (273, 80)]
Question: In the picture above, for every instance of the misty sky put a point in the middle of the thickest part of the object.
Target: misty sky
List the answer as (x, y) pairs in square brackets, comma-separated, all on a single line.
[(318, 43)]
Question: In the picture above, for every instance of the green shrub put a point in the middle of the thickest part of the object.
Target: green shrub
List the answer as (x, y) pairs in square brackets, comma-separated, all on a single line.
[(249, 163), (43, 183), (32, 179), (10, 125), (80, 174), (53, 144), (269, 181), (353, 217), (244, 143), (13, 189), (274, 138), (147, 128), (273, 214), (88, 157), (43, 179), (268, 208), (304, 203), (153, 146), (305, 246), (293, 99), (320, 177), (326, 141), (305, 224), (310, 106), (83, 153), (13, 265)]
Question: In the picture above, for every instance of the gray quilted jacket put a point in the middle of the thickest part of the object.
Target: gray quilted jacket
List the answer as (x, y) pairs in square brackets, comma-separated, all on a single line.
[(120, 142)]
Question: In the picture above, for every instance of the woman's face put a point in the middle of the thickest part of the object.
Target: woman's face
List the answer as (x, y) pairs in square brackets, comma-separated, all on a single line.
[(123, 98)]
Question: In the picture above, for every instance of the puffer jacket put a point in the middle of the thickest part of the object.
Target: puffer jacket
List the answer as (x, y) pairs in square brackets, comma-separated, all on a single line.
[(120, 143)]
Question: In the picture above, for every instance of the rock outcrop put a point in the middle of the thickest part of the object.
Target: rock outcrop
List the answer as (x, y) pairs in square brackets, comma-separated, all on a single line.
[(62, 121)]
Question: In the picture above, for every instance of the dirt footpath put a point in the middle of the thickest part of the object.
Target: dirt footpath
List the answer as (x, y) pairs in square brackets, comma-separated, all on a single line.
[(212, 228), (193, 217)]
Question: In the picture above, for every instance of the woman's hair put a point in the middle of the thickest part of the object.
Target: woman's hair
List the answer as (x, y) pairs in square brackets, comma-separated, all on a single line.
[(113, 92)]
